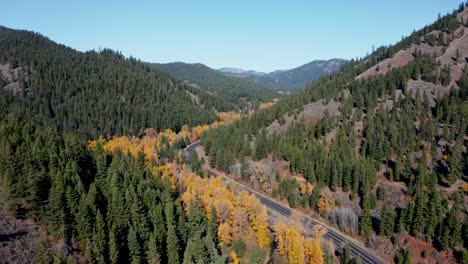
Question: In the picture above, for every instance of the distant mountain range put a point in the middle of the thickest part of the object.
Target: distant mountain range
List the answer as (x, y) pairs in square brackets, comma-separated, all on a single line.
[(288, 79), (249, 82), (237, 71)]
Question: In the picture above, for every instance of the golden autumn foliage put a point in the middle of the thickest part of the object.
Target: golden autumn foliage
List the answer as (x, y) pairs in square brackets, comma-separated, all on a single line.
[(258, 216), (305, 187), (326, 201), (167, 171), (313, 252), (318, 231), (184, 132), (226, 118), (225, 233), (93, 143), (240, 215), (234, 257), (465, 187), (297, 248), (149, 146), (269, 104), (229, 117), (198, 131), (236, 213), (260, 226)]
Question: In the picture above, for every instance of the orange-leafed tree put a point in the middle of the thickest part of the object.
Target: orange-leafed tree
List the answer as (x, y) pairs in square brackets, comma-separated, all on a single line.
[(326, 201), (225, 233), (235, 259)]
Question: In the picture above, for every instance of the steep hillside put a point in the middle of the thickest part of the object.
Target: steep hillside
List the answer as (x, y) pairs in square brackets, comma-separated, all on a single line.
[(446, 42), (377, 148), (235, 93), (94, 92)]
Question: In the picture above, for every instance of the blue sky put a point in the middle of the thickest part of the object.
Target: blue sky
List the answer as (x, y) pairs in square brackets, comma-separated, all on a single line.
[(258, 35)]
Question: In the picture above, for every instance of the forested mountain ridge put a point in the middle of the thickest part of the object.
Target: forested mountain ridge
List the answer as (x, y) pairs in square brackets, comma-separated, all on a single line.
[(384, 150), (298, 77), (94, 203), (94, 93), (233, 93), (371, 155)]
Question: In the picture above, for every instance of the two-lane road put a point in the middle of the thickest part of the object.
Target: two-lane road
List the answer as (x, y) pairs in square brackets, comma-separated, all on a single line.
[(338, 238)]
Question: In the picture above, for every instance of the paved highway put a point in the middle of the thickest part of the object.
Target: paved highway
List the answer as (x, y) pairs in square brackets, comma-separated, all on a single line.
[(338, 238)]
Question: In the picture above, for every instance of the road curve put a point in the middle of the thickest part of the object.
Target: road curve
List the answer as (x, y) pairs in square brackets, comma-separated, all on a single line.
[(338, 238)]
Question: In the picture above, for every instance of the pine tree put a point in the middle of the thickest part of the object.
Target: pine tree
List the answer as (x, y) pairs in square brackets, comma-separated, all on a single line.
[(260, 146), (404, 257), (182, 227), (100, 240), (114, 247), (42, 251), (387, 222), (346, 255), (172, 245), (446, 245), (157, 219), (454, 222), (418, 219), (346, 176), (334, 178), (256, 256), (134, 246), (456, 165), (189, 253), (56, 213), (154, 250), (365, 221), (213, 226), (210, 245)]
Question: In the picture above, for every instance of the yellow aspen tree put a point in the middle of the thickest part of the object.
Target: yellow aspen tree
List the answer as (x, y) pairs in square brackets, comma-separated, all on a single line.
[(326, 201), (234, 257), (295, 251), (281, 238), (225, 233), (261, 229), (313, 251)]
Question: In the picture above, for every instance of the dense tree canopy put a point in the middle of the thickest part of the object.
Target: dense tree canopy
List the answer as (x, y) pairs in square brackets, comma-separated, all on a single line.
[(382, 130), (92, 93)]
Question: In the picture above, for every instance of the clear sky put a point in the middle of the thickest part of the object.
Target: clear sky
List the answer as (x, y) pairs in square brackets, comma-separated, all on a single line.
[(258, 35)]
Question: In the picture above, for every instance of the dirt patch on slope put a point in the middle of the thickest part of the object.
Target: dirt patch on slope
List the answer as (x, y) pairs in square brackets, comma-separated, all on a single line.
[(431, 90), (445, 54), (312, 112), (399, 59), (17, 239)]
